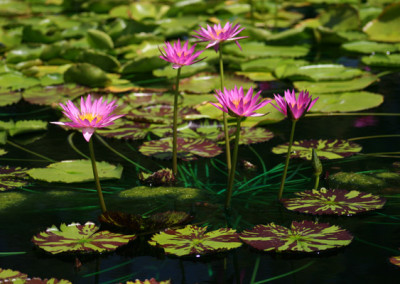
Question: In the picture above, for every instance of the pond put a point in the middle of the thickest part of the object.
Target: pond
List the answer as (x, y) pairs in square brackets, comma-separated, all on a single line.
[(344, 54)]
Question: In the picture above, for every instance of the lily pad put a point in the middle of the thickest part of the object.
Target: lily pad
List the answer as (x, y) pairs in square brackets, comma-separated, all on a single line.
[(8, 97), (126, 130), (347, 102), (259, 49), (370, 47), (336, 86), (270, 64), (193, 240), (16, 81), (99, 39), (37, 280), (53, 94), (340, 17), (365, 181), (305, 236), (87, 75), (163, 177), (12, 177), (159, 114), (75, 171), (9, 275), (188, 149), (326, 149), (79, 238), (333, 201), (382, 60)]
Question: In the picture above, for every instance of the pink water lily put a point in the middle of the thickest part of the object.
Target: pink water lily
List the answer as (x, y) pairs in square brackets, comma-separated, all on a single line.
[(237, 104), (294, 107), (180, 55), (90, 116), (217, 34)]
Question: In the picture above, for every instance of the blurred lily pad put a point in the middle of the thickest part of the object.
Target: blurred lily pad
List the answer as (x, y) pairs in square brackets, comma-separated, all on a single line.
[(8, 97), (382, 60), (341, 17), (326, 149), (17, 81), (12, 177), (87, 75), (370, 47), (99, 40), (10, 275), (75, 171), (51, 95)]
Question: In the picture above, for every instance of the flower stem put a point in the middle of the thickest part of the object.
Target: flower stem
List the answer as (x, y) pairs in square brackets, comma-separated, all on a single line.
[(175, 127), (231, 178), (96, 177), (316, 182), (287, 160), (29, 151), (224, 115)]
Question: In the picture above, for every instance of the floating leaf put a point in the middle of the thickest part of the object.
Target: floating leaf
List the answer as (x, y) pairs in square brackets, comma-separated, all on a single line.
[(270, 64), (382, 60), (99, 39), (87, 75), (53, 94), (161, 177), (79, 238), (249, 135), (12, 177), (75, 171), (3, 152), (340, 17), (259, 49), (188, 149), (395, 260), (347, 102), (305, 236), (159, 114), (386, 26), (126, 130), (8, 97), (326, 149), (9, 275), (16, 81), (336, 86), (37, 280), (370, 47), (333, 201), (195, 240)]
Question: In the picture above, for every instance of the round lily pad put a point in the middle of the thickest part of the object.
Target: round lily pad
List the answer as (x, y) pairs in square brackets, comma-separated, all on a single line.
[(382, 60), (194, 240), (370, 47), (10, 275), (333, 201), (75, 171), (8, 97), (326, 149), (305, 236), (159, 114), (52, 95), (127, 130), (12, 177), (188, 149), (79, 238)]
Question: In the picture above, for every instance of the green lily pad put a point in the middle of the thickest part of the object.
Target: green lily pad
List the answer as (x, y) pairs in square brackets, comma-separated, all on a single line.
[(342, 17), (305, 236), (347, 102), (203, 83), (161, 177), (16, 81), (102, 60), (75, 171), (257, 76), (53, 94), (10, 275), (193, 240), (127, 130), (326, 149), (9, 199), (386, 26), (143, 64), (8, 97), (336, 86), (12, 177), (159, 114), (99, 40), (320, 72), (87, 75), (188, 149), (175, 27), (2, 152), (193, 69), (163, 194), (333, 201), (28, 126), (382, 60), (79, 238), (370, 47), (140, 11), (23, 53)]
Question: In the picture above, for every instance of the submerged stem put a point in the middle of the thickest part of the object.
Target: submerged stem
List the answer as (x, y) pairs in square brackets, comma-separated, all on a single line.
[(234, 162), (29, 151), (287, 160), (175, 127), (96, 177)]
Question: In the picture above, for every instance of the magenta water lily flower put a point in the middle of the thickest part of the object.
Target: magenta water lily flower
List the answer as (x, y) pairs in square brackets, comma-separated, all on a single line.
[(90, 116), (180, 55), (294, 107), (237, 104), (217, 34)]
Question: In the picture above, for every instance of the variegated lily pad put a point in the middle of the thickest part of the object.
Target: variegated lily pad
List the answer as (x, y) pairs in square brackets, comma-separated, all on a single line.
[(151, 281), (137, 223), (37, 280), (395, 260), (333, 201), (326, 149), (159, 114), (52, 95), (10, 275), (79, 238), (128, 130), (305, 236), (195, 240), (11, 177), (249, 135), (188, 149), (159, 178)]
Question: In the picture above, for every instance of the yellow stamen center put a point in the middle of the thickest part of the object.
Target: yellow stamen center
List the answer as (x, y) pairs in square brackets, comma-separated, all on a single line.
[(90, 117), (236, 103)]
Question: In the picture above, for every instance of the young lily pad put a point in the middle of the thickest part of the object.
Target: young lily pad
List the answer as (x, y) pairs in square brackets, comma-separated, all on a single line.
[(395, 260), (79, 238), (382, 60), (336, 86), (347, 102), (193, 240), (149, 281), (10, 275), (326, 149), (188, 149), (75, 171), (370, 47), (53, 94), (333, 201), (11, 177), (305, 236), (8, 97)]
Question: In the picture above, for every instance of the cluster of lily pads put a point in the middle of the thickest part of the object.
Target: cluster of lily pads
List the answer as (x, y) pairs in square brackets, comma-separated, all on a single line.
[(112, 52)]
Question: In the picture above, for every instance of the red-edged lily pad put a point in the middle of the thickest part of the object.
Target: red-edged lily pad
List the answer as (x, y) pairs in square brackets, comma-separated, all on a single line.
[(334, 201), (192, 240), (326, 149), (128, 130), (79, 238), (149, 281), (37, 280), (11, 275), (249, 135), (395, 260), (11, 177), (137, 223), (188, 149), (159, 114), (305, 236)]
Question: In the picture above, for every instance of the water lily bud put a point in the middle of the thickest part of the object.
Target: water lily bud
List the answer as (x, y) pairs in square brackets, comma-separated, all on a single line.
[(316, 163)]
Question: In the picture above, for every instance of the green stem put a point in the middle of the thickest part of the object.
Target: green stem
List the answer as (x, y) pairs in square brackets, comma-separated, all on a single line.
[(234, 162), (316, 182), (374, 136), (224, 115), (96, 177), (29, 151), (71, 143), (352, 114), (287, 160), (255, 270), (175, 127)]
